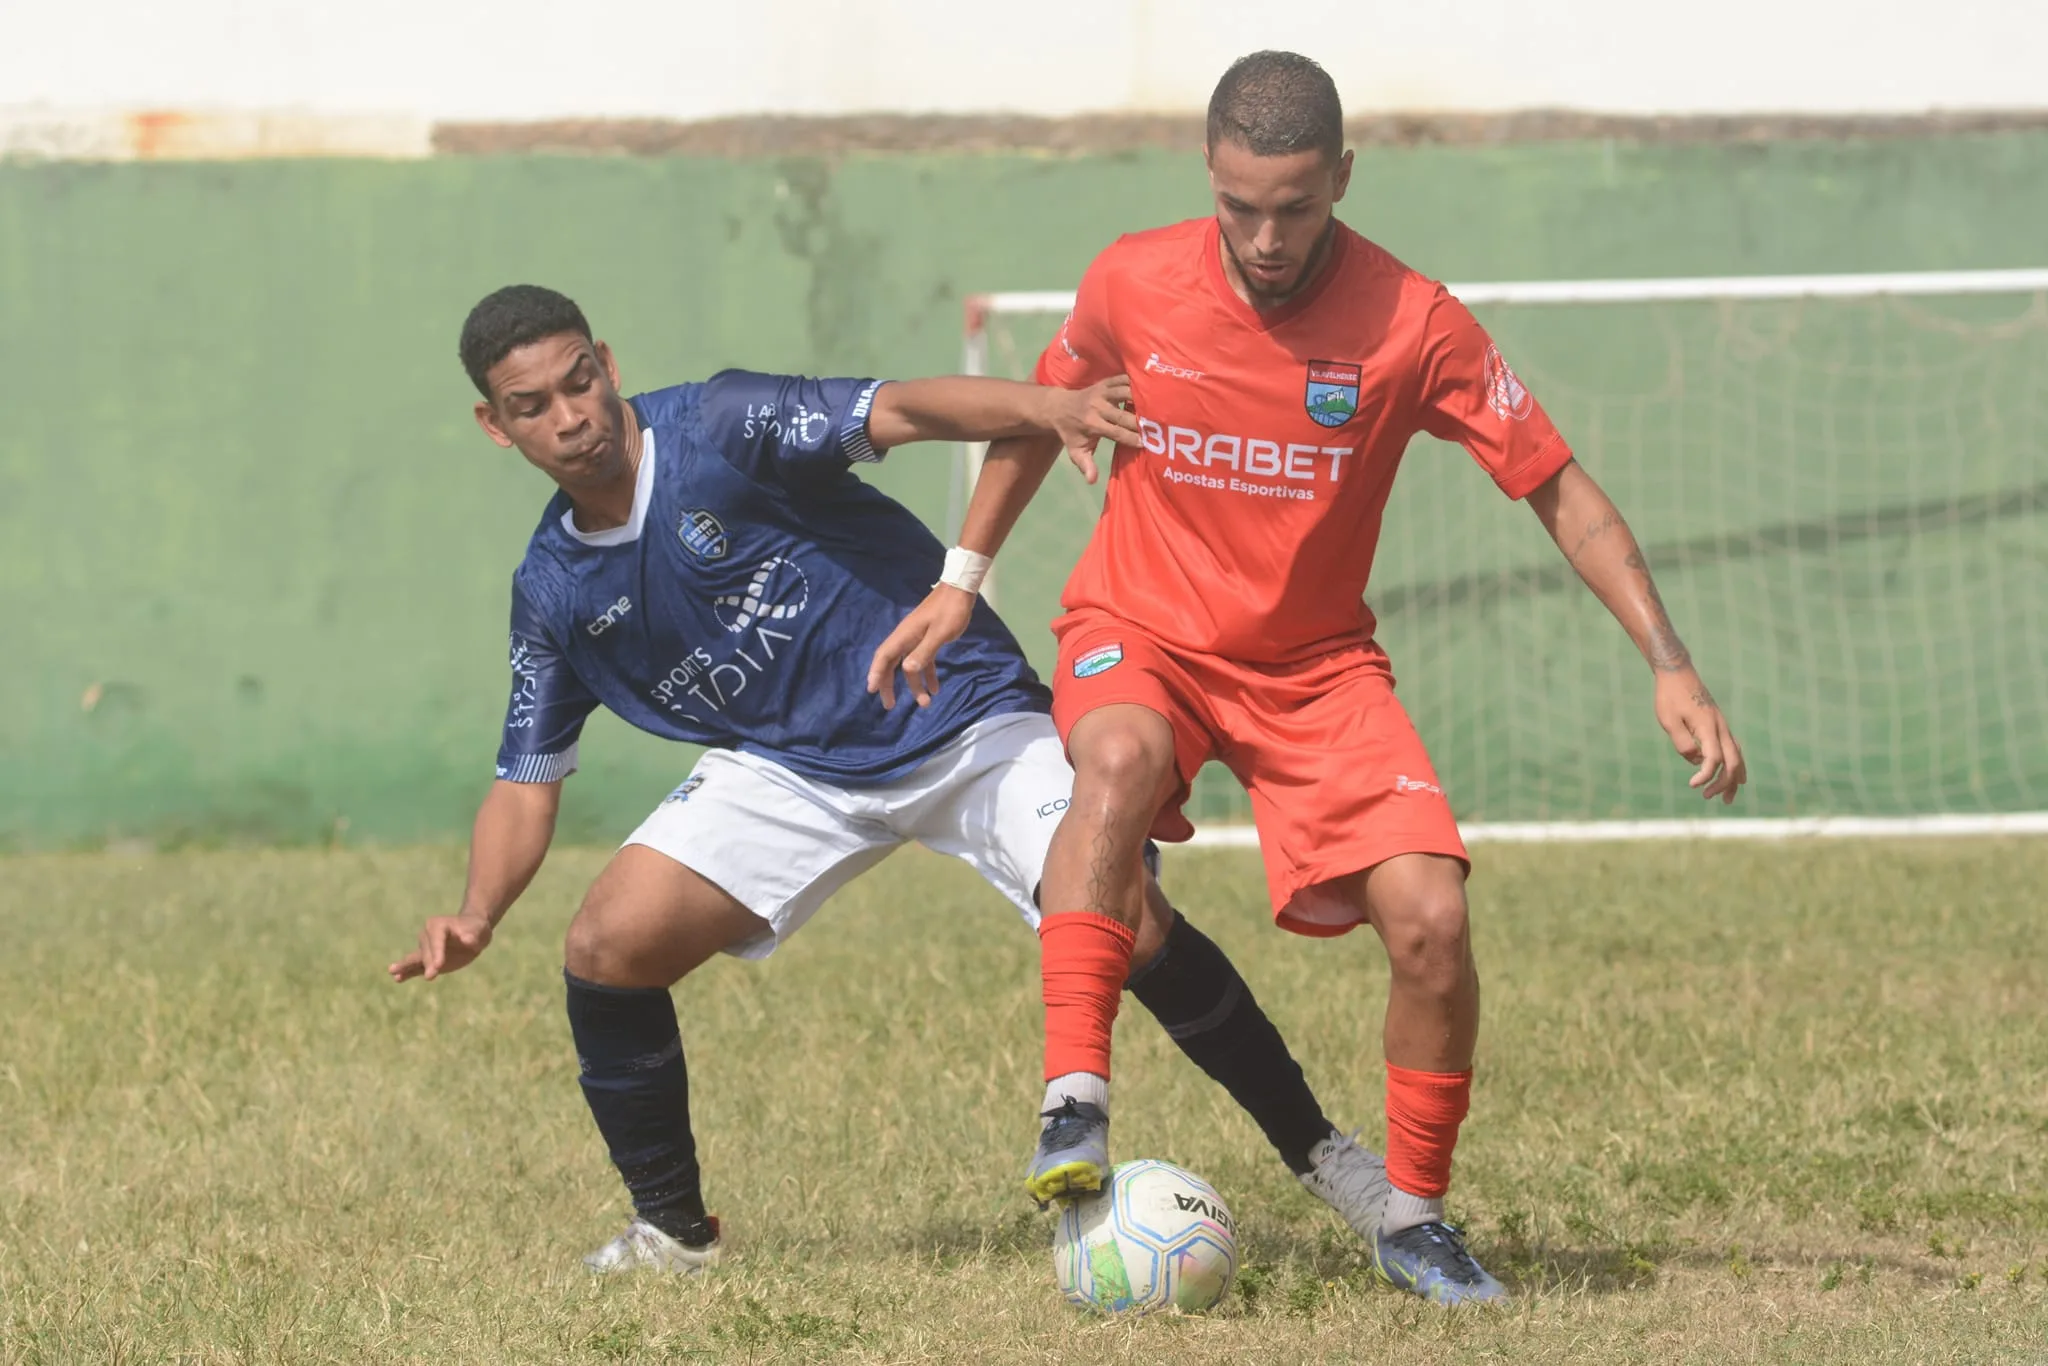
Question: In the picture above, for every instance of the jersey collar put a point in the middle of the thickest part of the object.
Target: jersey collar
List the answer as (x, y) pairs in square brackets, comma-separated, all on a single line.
[(1268, 319), (643, 493)]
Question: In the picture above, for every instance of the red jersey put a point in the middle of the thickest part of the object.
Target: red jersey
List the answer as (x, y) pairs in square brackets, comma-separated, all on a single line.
[(1245, 526)]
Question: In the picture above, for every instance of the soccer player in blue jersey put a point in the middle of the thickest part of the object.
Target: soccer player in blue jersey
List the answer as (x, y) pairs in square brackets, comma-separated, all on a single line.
[(712, 571)]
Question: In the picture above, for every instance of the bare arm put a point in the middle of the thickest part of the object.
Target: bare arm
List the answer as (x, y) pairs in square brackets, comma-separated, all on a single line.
[(1597, 543), (514, 827), (971, 408), (1010, 474)]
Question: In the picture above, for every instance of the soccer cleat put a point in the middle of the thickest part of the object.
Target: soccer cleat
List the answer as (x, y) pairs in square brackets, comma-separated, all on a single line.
[(643, 1246), (1073, 1152), (1430, 1260), (1351, 1180)]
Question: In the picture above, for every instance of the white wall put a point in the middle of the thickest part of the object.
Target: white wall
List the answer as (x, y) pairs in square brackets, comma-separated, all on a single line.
[(692, 59)]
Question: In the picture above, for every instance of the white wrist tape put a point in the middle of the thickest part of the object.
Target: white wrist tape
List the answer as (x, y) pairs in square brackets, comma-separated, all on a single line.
[(965, 569)]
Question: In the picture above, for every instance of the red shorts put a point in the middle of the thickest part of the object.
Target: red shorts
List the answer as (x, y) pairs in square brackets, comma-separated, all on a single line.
[(1338, 778)]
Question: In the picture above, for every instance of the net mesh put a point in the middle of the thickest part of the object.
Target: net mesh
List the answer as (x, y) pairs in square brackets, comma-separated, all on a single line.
[(1845, 502)]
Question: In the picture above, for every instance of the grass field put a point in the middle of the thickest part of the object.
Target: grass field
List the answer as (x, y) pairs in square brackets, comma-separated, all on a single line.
[(1734, 1104)]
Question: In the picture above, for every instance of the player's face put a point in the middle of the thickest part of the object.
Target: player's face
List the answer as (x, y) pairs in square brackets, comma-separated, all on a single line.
[(1274, 213), (557, 400)]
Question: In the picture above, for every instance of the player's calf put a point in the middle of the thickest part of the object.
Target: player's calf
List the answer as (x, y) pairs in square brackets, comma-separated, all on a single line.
[(646, 922), (1094, 895), (637, 1084), (1417, 903)]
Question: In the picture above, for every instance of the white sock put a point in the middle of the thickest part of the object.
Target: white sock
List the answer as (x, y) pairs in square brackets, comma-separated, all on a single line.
[(1085, 1087), (1406, 1211)]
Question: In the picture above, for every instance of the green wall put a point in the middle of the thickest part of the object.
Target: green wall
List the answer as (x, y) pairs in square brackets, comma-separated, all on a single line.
[(244, 512)]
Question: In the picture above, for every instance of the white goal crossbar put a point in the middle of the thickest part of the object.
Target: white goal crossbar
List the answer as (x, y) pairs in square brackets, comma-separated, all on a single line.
[(2004, 823), (1702, 289), (1677, 290)]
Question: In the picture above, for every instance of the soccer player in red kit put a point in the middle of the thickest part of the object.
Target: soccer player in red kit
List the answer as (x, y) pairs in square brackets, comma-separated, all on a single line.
[(1280, 364)]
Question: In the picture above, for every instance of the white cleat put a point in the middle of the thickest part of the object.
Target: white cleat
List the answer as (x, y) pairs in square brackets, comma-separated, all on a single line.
[(1350, 1180), (644, 1247)]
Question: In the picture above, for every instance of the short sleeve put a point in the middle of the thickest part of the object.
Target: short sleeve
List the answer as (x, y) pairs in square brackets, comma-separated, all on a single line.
[(1470, 396), (786, 428), (548, 707), (1084, 352)]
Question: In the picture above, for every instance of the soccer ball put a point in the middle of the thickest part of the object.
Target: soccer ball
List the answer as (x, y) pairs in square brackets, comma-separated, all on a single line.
[(1154, 1237)]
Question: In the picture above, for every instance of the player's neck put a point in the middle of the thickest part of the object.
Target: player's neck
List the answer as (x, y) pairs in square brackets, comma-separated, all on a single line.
[(1318, 262), (610, 505)]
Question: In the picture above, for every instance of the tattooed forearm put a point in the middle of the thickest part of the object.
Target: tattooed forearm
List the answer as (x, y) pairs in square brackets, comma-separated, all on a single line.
[(1667, 653), (1609, 520)]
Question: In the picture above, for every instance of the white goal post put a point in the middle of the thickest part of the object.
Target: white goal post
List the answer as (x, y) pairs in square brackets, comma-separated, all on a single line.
[(1856, 467)]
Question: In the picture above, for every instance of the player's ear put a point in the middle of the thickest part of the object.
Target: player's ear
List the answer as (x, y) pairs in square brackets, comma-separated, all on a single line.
[(611, 366), (1343, 178), (487, 418)]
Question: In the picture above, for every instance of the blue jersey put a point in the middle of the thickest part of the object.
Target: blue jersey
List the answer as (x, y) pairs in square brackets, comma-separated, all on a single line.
[(739, 606)]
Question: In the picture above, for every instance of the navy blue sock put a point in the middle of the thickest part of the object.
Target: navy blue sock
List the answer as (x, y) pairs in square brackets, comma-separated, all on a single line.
[(1195, 992), (638, 1089)]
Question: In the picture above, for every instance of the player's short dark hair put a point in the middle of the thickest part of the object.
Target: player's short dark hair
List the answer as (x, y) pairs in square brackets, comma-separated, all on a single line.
[(512, 317), (1275, 104)]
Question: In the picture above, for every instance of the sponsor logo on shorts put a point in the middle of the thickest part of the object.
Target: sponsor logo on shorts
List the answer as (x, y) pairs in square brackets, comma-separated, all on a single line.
[(1098, 661), (682, 794), (1404, 783), (1504, 393), (1332, 397), (1053, 808), (703, 534)]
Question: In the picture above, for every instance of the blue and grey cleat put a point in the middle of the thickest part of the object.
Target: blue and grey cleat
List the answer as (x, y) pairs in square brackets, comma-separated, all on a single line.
[(1073, 1153), (1430, 1260)]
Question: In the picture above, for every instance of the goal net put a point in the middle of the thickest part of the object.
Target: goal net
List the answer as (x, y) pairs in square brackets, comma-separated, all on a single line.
[(1841, 483)]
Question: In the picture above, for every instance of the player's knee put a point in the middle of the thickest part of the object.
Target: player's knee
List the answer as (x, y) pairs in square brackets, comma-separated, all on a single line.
[(599, 948), (1124, 761), (585, 952), (1429, 939)]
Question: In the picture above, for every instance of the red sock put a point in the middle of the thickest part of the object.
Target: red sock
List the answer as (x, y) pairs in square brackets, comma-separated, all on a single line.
[(1424, 1110), (1084, 959)]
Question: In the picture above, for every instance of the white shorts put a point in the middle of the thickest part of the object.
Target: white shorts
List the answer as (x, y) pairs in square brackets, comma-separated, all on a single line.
[(781, 844)]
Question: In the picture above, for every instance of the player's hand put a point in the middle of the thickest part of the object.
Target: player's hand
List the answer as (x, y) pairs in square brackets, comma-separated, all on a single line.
[(914, 646), (447, 942), (1083, 417), (1700, 734)]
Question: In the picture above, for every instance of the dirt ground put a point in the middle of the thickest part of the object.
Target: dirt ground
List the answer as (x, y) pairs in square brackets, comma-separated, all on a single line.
[(791, 136)]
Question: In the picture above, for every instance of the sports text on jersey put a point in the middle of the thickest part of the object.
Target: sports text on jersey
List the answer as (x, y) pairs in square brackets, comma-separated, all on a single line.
[(801, 425)]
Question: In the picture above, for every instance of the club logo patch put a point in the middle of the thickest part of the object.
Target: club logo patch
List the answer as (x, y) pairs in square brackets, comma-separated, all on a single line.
[(1504, 393), (703, 534), (1098, 661), (1332, 398)]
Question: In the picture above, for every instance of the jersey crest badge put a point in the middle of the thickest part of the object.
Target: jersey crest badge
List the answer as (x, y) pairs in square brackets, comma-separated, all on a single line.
[(1504, 393), (1098, 661), (703, 534), (1332, 398)]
